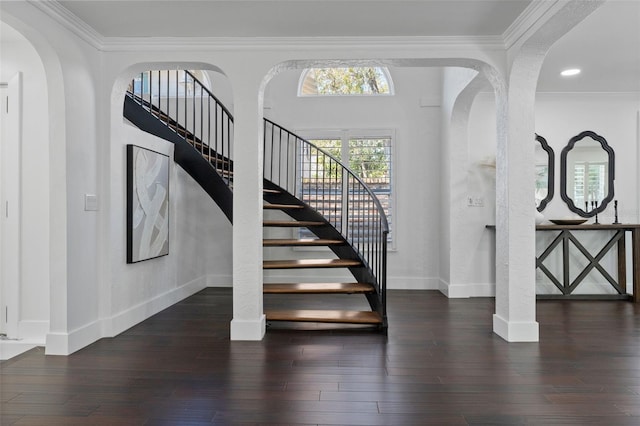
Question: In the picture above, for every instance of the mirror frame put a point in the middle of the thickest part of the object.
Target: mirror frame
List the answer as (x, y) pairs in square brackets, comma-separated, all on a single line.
[(550, 172), (563, 174)]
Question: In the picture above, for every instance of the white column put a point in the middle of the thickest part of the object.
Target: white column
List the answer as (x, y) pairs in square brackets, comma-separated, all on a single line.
[(515, 317), (248, 318)]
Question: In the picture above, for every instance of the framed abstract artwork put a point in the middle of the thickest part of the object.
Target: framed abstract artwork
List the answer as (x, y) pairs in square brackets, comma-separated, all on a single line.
[(147, 204)]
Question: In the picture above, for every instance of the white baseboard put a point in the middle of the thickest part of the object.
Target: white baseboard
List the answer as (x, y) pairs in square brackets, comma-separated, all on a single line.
[(67, 343), (462, 291), (219, 280), (248, 330), (11, 348), (412, 283), (516, 331), (136, 314)]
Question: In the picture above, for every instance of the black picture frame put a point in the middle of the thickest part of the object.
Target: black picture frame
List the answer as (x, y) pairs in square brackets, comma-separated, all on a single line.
[(147, 204)]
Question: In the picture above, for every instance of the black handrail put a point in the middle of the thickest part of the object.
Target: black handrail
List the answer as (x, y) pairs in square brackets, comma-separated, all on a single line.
[(321, 181)]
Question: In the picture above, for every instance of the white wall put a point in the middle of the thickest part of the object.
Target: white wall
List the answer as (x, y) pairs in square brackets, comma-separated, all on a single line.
[(464, 236), (18, 55), (613, 116), (414, 113), (94, 293), (199, 241), (560, 116), (221, 88)]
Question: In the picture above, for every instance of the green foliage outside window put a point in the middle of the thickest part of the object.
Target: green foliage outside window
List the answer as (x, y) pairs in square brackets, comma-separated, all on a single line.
[(345, 81)]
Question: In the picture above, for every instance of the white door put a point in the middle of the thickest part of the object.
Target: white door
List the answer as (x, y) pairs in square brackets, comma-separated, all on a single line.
[(11, 135)]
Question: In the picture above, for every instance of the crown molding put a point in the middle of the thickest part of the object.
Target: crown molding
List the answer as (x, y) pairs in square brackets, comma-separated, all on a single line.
[(77, 26), (114, 44), (532, 17), (70, 21)]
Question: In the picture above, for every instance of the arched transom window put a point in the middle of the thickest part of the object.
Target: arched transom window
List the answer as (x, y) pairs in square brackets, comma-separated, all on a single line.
[(345, 81)]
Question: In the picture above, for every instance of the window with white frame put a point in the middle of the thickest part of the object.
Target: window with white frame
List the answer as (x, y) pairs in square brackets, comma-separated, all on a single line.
[(589, 181), (369, 155)]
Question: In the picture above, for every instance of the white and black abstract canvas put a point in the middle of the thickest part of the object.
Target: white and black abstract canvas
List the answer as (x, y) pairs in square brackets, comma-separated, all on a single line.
[(147, 204)]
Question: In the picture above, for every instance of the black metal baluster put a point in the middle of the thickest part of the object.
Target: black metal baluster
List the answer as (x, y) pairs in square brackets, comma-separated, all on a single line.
[(297, 174), (193, 112), (223, 146), (264, 145), (370, 224), (279, 157), (215, 133), (151, 91), (168, 99), (316, 180), (361, 221), (186, 119), (287, 163), (201, 120), (177, 104), (226, 136), (209, 126)]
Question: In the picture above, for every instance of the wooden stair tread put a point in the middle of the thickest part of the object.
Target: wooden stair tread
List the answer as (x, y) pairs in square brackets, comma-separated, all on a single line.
[(310, 263), (290, 223), (282, 206), (345, 317), (317, 288), (302, 242)]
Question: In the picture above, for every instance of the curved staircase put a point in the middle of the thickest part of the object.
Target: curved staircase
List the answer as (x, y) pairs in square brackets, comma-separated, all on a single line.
[(357, 243)]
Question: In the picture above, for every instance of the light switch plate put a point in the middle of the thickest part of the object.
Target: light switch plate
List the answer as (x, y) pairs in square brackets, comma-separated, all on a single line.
[(90, 202)]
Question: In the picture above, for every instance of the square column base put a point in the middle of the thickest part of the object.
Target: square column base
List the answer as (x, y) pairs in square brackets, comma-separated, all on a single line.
[(516, 331), (248, 330)]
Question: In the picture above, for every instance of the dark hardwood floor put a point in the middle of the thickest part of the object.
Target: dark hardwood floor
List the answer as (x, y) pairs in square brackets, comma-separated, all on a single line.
[(440, 364)]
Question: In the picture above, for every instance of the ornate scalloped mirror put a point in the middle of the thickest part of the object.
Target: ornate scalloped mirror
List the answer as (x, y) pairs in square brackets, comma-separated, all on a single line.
[(587, 167), (545, 160)]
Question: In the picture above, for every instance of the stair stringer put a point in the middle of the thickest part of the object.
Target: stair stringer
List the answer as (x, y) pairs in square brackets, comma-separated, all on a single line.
[(185, 155)]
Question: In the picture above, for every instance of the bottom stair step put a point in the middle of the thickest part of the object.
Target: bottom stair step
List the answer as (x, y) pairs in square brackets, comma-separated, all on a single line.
[(317, 288), (343, 317)]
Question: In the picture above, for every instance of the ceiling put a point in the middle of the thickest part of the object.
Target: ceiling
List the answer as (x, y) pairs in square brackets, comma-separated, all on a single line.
[(606, 46), (297, 18)]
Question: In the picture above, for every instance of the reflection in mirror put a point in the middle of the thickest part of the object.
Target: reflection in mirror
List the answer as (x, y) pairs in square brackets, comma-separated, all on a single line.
[(544, 161), (587, 167)]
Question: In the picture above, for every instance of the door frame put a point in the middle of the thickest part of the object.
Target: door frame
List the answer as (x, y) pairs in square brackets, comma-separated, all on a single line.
[(10, 205)]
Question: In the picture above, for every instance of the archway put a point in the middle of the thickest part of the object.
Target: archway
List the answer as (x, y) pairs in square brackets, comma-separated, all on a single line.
[(27, 306), (197, 258)]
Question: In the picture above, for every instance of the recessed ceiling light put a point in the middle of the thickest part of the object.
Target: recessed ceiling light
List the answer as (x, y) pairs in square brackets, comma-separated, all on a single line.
[(569, 72)]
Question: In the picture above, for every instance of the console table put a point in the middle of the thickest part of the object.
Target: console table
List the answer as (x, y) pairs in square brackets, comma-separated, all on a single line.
[(566, 235)]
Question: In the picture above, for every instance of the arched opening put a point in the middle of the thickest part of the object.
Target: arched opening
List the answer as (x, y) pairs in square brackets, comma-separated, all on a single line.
[(25, 166), (199, 237), (413, 117), (604, 98)]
